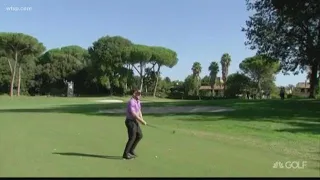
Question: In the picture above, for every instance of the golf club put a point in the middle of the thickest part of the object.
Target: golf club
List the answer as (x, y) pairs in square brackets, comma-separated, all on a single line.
[(156, 127), (153, 126)]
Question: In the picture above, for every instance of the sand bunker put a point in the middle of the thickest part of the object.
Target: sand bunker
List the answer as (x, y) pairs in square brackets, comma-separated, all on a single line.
[(114, 101), (109, 101), (172, 109)]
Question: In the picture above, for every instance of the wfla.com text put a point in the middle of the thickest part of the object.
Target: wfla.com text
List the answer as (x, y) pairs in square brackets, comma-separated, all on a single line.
[(16, 8)]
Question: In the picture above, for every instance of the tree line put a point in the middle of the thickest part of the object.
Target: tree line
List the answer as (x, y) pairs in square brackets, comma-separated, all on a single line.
[(107, 67), (256, 76)]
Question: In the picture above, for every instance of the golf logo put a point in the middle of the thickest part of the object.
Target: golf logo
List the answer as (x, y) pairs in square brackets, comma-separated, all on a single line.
[(290, 165)]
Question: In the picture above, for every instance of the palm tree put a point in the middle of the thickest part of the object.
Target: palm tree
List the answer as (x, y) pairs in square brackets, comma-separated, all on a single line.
[(196, 70), (225, 63), (214, 70)]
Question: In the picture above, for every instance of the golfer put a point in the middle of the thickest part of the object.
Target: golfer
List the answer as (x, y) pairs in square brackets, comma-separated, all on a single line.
[(133, 118)]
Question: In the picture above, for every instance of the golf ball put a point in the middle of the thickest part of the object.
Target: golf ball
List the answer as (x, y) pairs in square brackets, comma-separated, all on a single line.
[(156, 156)]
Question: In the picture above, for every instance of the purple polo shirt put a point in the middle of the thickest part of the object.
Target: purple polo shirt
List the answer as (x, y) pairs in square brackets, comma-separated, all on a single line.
[(133, 106)]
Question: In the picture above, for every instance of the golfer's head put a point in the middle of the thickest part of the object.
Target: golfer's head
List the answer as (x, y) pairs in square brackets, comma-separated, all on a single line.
[(136, 94)]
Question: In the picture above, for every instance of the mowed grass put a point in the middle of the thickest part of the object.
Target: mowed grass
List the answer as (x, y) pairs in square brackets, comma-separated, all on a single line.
[(42, 136)]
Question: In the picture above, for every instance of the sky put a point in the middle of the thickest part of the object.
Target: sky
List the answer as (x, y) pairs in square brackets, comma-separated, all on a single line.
[(198, 30)]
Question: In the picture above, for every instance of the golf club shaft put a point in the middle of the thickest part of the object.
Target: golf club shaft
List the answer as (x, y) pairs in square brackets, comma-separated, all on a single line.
[(151, 125)]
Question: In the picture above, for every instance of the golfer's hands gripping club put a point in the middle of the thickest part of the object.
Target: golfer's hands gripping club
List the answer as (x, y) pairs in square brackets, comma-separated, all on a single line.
[(140, 119), (144, 122)]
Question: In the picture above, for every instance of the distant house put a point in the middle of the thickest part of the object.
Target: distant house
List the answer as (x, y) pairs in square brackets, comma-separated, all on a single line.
[(302, 88), (217, 89)]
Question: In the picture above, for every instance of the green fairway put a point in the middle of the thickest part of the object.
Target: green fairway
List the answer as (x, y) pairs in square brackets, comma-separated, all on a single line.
[(46, 136)]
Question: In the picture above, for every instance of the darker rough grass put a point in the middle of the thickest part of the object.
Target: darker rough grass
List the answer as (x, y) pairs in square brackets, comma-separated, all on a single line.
[(304, 115)]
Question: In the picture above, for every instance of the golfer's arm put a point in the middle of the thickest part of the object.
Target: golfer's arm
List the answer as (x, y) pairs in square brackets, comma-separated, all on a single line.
[(137, 116), (140, 113)]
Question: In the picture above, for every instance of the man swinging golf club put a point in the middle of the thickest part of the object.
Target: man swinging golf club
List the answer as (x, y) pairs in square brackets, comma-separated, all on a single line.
[(133, 118)]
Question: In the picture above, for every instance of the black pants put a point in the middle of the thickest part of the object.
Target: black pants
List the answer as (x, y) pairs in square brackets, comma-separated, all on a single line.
[(134, 136), (282, 96)]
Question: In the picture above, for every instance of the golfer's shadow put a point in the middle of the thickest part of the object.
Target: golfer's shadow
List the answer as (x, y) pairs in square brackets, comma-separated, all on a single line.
[(88, 155)]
